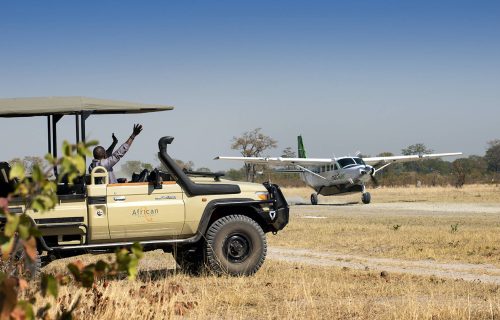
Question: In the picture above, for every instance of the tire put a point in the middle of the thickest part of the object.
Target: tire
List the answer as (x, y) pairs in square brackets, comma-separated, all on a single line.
[(190, 259), (366, 198), (314, 199), (235, 245), (20, 265)]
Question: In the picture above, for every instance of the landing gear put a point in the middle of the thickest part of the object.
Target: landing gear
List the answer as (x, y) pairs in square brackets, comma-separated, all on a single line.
[(366, 198), (314, 199)]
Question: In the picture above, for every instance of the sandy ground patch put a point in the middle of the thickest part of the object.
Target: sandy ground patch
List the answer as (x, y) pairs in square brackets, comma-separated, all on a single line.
[(458, 271)]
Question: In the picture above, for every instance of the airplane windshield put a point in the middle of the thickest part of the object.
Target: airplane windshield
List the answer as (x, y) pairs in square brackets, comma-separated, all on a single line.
[(359, 161), (344, 162)]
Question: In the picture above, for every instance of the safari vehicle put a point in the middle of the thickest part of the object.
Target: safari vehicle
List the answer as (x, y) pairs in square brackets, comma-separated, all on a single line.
[(205, 221)]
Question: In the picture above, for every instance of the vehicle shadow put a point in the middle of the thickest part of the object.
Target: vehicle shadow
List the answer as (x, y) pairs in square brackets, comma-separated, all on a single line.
[(157, 274)]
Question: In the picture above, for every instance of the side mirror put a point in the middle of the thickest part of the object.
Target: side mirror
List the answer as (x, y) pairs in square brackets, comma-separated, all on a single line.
[(157, 183)]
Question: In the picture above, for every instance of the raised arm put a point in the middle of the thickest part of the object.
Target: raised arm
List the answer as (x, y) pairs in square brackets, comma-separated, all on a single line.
[(120, 152), (109, 151)]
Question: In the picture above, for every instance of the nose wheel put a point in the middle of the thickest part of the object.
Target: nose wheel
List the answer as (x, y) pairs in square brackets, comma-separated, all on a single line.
[(366, 198), (314, 199)]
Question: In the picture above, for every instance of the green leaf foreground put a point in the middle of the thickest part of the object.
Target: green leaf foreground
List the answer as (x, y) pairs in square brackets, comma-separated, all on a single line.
[(39, 194)]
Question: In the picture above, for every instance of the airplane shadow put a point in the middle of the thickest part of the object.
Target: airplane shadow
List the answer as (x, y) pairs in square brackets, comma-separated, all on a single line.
[(408, 201), (329, 204)]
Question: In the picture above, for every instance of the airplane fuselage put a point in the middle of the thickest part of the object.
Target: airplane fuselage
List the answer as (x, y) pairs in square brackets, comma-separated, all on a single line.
[(345, 175)]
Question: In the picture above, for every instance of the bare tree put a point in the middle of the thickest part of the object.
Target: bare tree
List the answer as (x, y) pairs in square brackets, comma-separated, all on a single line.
[(252, 144), (28, 162)]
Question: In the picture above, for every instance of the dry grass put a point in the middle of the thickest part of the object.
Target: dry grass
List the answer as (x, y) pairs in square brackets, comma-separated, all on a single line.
[(296, 291), (477, 239), (278, 291), (484, 193), (441, 231)]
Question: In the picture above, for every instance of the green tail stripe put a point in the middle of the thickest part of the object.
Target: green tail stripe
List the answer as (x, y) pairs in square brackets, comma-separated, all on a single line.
[(301, 150)]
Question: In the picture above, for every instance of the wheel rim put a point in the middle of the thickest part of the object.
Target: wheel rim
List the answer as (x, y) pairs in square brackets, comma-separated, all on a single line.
[(237, 248)]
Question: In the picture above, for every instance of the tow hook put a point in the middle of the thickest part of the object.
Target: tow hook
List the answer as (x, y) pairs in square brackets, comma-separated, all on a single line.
[(272, 214)]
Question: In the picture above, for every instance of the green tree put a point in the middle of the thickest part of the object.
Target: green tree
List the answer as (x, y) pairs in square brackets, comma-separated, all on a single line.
[(131, 166), (385, 154), (235, 174), (418, 148), (288, 153), (252, 144), (184, 165), (492, 155), (424, 166)]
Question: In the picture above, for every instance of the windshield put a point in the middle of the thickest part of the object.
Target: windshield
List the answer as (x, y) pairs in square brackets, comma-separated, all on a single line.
[(359, 161), (344, 162)]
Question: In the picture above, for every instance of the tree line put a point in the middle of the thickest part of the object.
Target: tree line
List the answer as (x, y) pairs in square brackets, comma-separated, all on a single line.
[(430, 172), (255, 143)]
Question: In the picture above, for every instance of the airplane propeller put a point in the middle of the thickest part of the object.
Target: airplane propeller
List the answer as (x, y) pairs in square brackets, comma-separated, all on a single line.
[(374, 180), (372, 177), (371, 171)]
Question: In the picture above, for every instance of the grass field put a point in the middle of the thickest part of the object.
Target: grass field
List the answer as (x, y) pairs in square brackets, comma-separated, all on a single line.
[(411, 224), (283, 291), (418, 228), (483, 193)]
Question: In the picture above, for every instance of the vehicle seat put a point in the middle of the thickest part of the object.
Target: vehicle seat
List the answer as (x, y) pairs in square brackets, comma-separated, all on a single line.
[(141, 177), (6, 185), (77, 187)]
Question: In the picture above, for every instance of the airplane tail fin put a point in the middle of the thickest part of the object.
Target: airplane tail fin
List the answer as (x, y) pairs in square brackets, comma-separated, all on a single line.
[(301, 149)]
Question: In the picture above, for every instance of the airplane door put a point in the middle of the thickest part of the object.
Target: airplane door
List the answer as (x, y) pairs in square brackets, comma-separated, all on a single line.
[(137, 210)]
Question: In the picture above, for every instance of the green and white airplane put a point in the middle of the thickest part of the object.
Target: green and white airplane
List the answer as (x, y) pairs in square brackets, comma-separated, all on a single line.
[(336, 176)]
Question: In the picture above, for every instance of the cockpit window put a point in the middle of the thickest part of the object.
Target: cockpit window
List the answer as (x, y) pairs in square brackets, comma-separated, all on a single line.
[(344, 162), (359, 161)]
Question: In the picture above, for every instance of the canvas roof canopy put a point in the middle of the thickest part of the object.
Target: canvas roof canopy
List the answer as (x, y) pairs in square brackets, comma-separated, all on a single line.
[(44, 106), (54, 108)]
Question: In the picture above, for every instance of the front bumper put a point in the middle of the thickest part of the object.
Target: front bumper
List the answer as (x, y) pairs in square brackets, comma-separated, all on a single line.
[(280, 212)]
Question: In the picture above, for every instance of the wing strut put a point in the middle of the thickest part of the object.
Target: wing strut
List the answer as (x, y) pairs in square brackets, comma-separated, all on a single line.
[(313, 173), (382, 167)]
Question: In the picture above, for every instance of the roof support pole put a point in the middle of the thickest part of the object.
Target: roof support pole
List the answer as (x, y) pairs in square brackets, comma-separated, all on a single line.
[(49, 137), (83, 117), (55, 119), (77, 126)]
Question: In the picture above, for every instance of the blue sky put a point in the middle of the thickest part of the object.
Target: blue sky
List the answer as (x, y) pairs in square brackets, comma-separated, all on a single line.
[(372, 76)]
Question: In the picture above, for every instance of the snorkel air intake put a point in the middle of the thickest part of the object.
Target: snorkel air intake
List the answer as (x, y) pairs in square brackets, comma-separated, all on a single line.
[(191, 188)]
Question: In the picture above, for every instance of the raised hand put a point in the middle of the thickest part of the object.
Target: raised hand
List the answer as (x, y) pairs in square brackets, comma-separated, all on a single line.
[(137, 129), (114, 137)]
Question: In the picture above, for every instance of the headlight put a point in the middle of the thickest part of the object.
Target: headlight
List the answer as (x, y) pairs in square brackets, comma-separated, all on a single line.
[(262, 195)]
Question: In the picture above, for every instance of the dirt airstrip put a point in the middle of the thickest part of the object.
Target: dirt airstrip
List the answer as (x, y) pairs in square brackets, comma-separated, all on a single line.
[(305, 214)]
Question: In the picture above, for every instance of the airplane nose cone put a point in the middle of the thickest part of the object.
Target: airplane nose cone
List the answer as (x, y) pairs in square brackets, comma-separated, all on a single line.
[(370, 169)]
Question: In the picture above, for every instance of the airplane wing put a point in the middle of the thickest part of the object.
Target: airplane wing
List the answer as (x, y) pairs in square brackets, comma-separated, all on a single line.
[(379, 161), (279, 161)]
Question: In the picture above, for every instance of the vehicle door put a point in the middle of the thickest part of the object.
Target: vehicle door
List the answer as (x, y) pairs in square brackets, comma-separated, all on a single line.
[(138, 210)]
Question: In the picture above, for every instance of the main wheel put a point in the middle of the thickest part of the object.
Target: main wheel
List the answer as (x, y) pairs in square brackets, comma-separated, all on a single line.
[(19, 263), (190, 259), (235, 245), (366, 198), (314, 199)]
